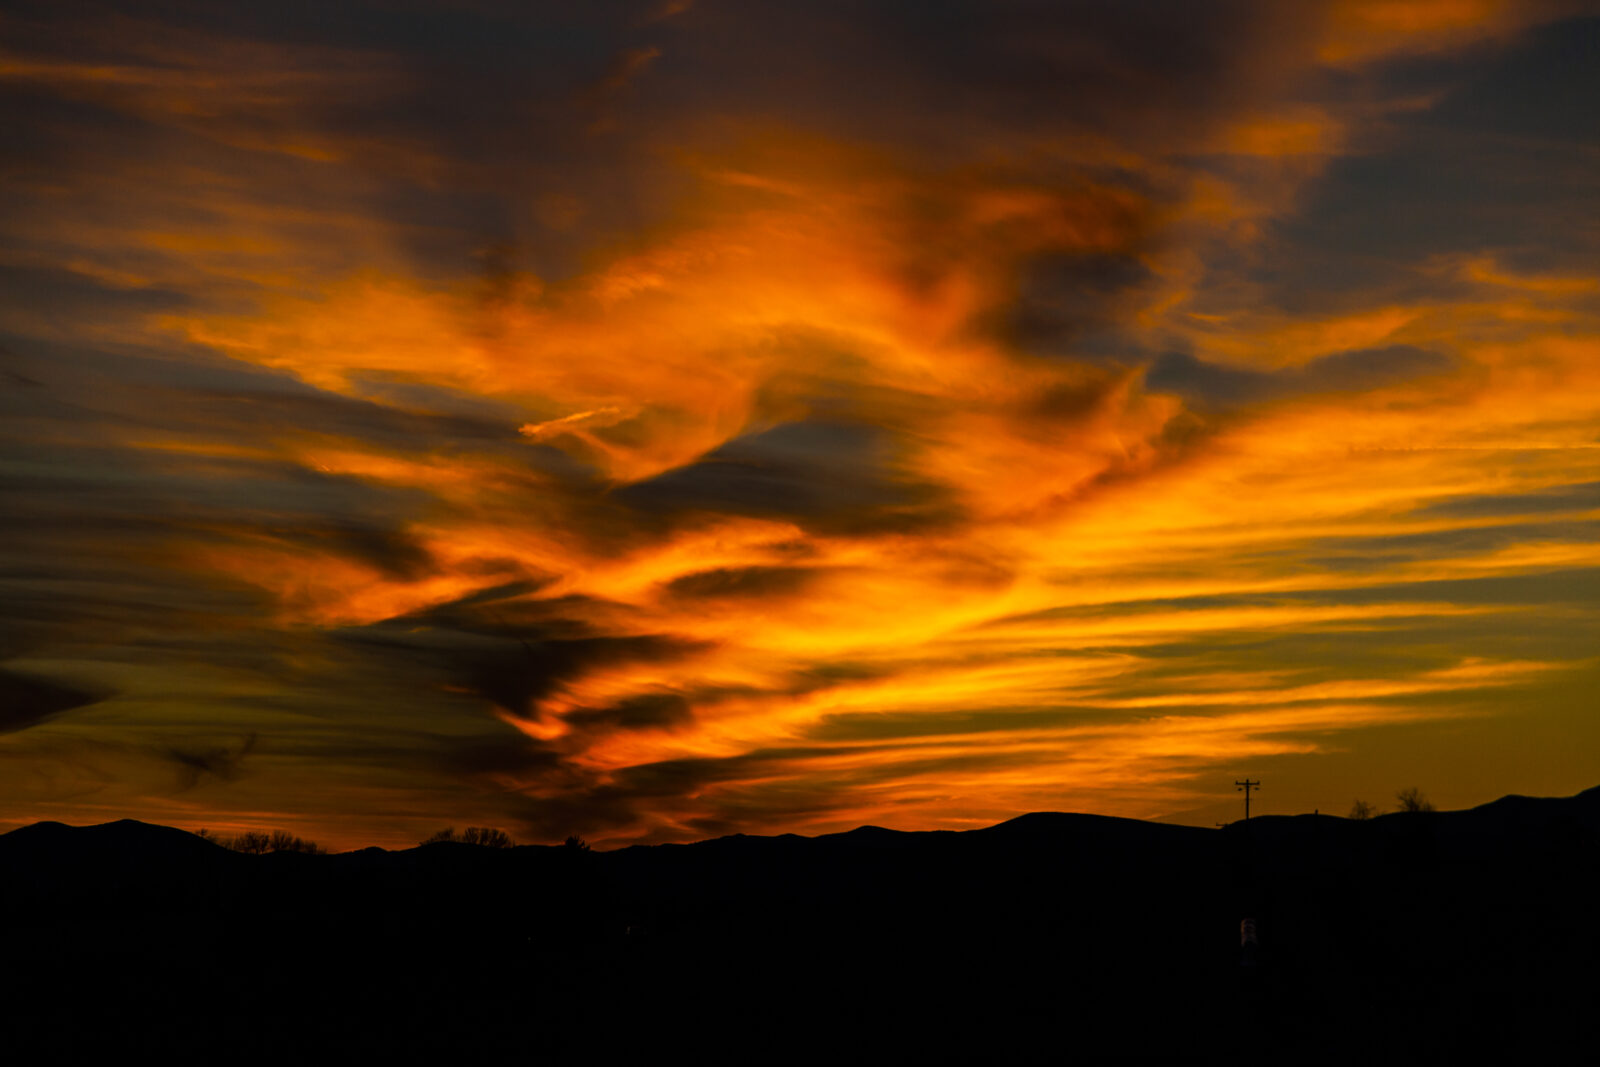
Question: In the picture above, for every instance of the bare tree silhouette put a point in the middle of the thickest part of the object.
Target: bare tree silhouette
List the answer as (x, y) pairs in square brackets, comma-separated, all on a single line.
[(284, 841), (253, 842), (1412, 800), (1362, 810), (257, 842)]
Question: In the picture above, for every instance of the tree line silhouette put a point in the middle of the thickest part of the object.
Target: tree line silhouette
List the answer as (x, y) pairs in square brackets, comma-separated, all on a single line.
[(258, 842), (486, 836)]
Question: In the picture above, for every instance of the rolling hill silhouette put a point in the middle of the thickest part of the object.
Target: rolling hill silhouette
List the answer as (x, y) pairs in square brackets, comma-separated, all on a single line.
[(1432, 937)]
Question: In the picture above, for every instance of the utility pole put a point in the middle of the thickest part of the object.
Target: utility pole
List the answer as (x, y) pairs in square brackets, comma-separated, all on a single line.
[(1247, 785)]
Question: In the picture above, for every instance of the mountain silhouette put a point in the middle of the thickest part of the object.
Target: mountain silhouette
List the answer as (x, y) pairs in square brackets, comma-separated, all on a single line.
[(1425, 937)]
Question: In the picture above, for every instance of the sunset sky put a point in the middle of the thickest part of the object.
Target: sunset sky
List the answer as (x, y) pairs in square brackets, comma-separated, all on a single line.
[(654, 421)]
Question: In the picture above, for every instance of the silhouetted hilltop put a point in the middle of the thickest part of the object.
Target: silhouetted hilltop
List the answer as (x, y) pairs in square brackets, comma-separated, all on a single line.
[(1043, 824), (124, 837), (1409, 937)]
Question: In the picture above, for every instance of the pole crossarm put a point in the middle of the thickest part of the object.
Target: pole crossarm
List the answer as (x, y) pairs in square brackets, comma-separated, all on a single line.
[(1247, 785)]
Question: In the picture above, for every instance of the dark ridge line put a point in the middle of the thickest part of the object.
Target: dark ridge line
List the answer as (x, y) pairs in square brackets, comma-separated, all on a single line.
[(1035, 823)]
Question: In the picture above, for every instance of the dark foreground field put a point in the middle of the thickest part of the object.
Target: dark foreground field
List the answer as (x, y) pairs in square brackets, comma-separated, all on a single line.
[(1451, 937)]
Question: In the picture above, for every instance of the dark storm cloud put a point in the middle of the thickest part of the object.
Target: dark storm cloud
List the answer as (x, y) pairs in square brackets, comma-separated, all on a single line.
[(516, 679), (82, 375), (1003, 63), (196, 764), (1541, 89), (1216, 386), (66, 486), (489, 594), (1499, 166), (26, 701), (836, 477), (15, 379), (131, 392), (565, 799), (61, 295), (72, 495), (498, 613), (940, 73), (511, 756), (405, 424), (1582, 497), (1367, 553), (516, 674), (739, 583), (644, 711), (78, 599), (623, 799), (1063, 296), (390, 552)]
